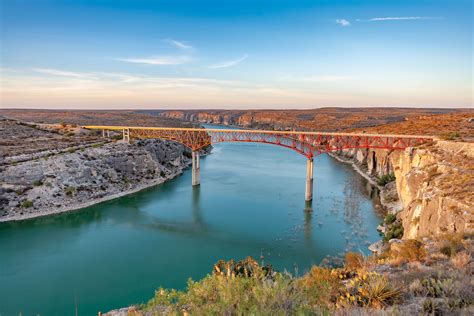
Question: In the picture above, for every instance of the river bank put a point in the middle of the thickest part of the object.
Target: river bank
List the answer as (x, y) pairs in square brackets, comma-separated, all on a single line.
[(77, 179)]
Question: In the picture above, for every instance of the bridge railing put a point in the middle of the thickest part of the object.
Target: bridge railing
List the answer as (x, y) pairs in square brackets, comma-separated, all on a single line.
[(305, 143)]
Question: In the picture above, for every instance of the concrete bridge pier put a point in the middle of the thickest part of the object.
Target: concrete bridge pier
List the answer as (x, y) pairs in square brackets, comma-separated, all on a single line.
[(309, 180), (105, 133), (196, 168), (126, 135)]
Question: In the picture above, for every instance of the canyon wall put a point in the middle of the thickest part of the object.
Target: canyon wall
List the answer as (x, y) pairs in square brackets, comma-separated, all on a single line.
[(434, 184), (65, 181)]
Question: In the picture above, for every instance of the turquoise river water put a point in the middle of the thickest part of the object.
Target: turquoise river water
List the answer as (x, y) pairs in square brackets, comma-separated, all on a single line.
[(250, 202)]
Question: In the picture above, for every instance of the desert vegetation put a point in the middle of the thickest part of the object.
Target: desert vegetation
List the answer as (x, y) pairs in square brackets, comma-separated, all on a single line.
[(410, 277)]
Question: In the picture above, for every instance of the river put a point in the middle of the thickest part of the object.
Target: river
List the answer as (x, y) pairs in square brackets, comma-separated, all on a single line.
[(250, 202)]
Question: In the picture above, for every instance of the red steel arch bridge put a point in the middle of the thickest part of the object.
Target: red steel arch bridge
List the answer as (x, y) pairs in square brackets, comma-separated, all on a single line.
[(309, 144)]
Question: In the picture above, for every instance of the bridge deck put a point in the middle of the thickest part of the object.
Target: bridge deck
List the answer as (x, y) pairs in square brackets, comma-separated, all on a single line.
[(255, 131)]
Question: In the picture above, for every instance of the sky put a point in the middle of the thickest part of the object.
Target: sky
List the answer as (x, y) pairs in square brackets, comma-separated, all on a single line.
[(178, 54)]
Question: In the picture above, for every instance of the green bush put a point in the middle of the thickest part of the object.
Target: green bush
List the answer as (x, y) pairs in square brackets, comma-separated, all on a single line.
[(383, 180), (394, 230), (70, 191), (27, 204), (390, 218), (37, 183), (239, 288)]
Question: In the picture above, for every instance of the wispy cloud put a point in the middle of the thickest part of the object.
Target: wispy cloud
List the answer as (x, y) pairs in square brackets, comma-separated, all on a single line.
[(229, 63), (319, 78), (343, 22), (158, 60), (178, 44), (62, 73), (399, 18)]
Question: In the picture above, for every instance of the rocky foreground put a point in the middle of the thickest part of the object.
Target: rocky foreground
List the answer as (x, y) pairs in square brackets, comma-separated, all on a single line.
[(81, 177)]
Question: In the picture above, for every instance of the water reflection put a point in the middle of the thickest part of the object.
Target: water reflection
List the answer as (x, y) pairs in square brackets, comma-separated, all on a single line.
[(196, 206), (308, 222), (165, 234)]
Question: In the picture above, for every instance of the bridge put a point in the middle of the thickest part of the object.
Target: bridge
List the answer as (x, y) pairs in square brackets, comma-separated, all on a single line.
[(309, 144)]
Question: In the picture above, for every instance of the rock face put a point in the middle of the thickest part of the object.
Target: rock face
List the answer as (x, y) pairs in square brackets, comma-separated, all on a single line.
[(77, 179), (434, 184)]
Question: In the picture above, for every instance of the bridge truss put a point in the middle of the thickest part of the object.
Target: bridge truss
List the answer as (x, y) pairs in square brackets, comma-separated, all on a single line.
[(309, 144)]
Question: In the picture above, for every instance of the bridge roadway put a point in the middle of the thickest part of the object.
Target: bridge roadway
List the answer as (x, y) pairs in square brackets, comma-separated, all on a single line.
[(309, 144)]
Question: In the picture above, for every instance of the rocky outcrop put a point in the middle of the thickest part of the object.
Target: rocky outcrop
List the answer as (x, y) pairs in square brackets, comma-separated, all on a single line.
[(434, 185), (77, 179)]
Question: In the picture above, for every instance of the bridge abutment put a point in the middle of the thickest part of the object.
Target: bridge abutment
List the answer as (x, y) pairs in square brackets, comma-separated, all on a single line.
[(309, 179), (196, 169)]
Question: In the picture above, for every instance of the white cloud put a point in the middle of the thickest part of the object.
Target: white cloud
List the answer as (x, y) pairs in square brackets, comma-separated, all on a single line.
[(343, 22), (158, 60), (178, 44), (230, 63), (400, 18), (322, 78), (62, 73)]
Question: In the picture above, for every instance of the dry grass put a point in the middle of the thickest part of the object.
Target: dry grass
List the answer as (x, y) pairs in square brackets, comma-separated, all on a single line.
[(359, 262), (407, 251), (461, 259)]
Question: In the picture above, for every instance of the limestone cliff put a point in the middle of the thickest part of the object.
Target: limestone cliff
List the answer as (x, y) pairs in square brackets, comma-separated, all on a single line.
[(60, 182), (434, 185)]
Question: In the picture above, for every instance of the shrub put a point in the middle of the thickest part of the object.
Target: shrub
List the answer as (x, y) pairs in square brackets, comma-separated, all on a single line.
[(233, 293), (370, 290), (461, 259), (37, 183), (439, 287), (394, 231), (431, 307), (71, 150), (451, 244), (383, 180), (70, 191), (390, 218), (354, 261), (409, 251), (27, 204), (322, 285), (69, 134)]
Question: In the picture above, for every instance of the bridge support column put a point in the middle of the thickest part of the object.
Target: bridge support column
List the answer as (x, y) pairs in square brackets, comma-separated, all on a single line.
[(196, 168), (309, 180), (126, 135)]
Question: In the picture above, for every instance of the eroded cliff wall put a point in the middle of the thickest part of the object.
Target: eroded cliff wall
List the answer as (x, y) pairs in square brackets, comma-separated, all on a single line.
[(78, 178), (435, 184)]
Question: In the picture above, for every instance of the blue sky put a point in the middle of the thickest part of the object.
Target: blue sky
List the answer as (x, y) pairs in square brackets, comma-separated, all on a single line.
[(236, 54)]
